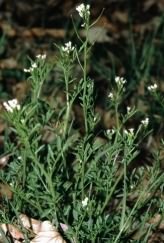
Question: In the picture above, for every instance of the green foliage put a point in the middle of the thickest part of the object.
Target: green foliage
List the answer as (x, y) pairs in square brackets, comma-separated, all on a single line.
[(76, 179)]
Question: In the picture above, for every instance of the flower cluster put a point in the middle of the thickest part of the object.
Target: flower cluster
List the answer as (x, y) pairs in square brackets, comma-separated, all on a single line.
[(152, 87), (29, 70), (120, 81), (85, 202), (68, 47), (10, 105), (110, 95), (145, 122), (41, 56), (83, 10), (34, 65), (130, 131), (110, 132), (129, 109)]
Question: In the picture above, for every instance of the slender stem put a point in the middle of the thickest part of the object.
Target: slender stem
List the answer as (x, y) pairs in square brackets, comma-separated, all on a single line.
[(66, 77), (111, 192), (129, 216), (85, 81), (117, 116), (39, 89), (85, 103), (124, 200), (24, 171), (82, 178), (80, 223)]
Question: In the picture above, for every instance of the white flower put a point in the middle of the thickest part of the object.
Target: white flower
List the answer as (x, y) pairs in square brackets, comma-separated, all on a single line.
[(85, 202), (41, 56), (129, 132), (120, 80), (126, 132), (34, 65), (128, 109), (26, 70), (110, 95), (10, 105), (83, 10), (95, 119), (145, 122), (68, 47), (110, 132), (152, 87)]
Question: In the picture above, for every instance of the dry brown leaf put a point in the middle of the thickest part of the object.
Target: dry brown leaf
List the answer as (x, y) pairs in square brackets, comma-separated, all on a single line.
[(149, 3), (14, 232), (157, 219), (2, 122), (8, 30), (120, 16), (109, 120), (28, 223), (148, 26), (20, 90), (105, 23), (48, 234), (5, 191), (156, 238), (3, 161), (8, 63), (45, 231), (41, 32)]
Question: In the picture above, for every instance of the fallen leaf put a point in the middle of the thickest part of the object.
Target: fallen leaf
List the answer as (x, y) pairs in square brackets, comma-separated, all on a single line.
[(8, 30), (8, 63), (28, 223), (13, 231), (5, 191), (3, 161), (20, 90), (48, 234), (157, 219), (41, 32), (148, 4), (64, 227), (122, 17)]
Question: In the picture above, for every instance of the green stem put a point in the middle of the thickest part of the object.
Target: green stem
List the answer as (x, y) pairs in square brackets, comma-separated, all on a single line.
[(68, 109), (82, 178), (85, 82), (111, 192), (79, 224), (129, 217), (117, 116), (124, 200), (39, 89)]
